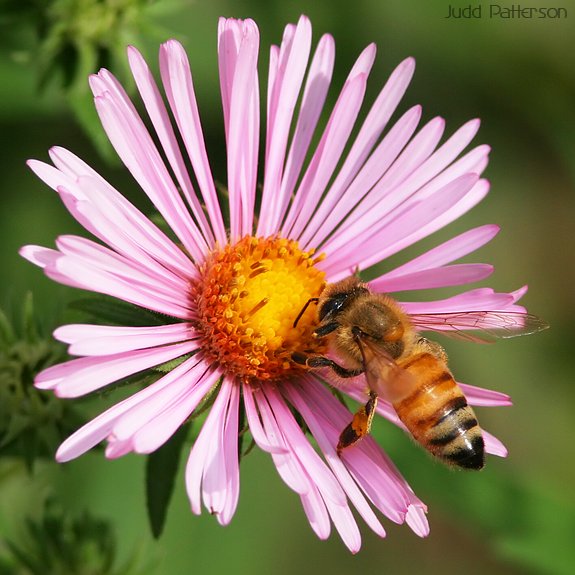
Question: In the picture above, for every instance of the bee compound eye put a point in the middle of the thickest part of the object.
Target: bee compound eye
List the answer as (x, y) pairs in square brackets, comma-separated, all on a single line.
[(332, 305)]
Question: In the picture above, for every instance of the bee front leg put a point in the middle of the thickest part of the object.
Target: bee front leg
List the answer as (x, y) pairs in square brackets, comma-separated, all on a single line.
[(319, 361)]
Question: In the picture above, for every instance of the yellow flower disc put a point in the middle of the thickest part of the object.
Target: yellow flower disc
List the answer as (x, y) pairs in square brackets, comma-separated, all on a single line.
[(248, 297)]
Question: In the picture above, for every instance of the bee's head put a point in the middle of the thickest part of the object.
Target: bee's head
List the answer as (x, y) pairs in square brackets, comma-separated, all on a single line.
[(338, 297)]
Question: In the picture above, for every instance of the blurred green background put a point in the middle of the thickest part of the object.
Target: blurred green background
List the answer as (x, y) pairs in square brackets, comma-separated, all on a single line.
[(518, 76)]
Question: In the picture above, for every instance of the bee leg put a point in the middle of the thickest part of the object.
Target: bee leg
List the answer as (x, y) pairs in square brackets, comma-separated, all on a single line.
[(318, 361), (360, 424), (326, 329)]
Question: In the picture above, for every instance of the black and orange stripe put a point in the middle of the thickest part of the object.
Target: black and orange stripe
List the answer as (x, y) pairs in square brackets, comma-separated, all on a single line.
[(438, 415)]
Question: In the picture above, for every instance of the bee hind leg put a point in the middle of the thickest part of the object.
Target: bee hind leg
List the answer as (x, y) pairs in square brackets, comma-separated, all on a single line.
[(360, 425)]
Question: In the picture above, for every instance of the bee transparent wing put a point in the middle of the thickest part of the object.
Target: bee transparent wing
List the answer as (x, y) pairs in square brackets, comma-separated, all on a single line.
[(480, 326), (384, 377)]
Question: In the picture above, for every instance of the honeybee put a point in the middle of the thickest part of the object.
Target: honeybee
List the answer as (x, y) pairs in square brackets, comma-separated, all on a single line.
[(374, 336)]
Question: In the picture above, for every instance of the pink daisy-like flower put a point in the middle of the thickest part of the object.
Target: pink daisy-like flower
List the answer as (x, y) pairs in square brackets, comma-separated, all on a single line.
[(234, 285)]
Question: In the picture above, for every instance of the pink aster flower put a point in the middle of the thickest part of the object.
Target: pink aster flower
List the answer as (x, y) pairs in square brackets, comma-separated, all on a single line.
[(230, 286)]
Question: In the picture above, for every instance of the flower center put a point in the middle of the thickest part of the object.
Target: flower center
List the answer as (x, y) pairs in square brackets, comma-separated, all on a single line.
[(248, 298)]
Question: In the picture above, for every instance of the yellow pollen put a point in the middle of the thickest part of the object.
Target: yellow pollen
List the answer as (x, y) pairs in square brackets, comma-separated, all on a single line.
[(248, 297)]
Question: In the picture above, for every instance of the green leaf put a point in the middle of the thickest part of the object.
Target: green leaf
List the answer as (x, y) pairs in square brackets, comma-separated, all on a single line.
[(7, 335), (115, 312), (161, 469), (168, 366), (29, 320)]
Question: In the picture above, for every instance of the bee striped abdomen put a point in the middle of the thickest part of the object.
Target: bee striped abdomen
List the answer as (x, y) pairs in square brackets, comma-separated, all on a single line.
[(438, 416)]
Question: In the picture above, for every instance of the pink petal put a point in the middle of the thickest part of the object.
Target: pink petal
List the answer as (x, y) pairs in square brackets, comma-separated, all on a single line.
[(330, 148), (474, 161), (117, 449), (39, 256), (155, 431), (377, 119), (238, 44), (127, 231), (435, 173), (282, 98), (484, 397), (314, 95), (473, 300), (243, 134), (135, 147), (326, 157), (52, 176), (229, 31), (445, 253), (369, 133), (232, 458), (220, 471), (77, 272), (326, 438), (371, 468), (382, 236), (327, 220), (345, 524), (263, 440), (185, 105), (429, 225), (287, 465), (433, 278), (417, 520), (316, 512), (99, 428), (110, 207), (212, 473), (321, 476), (80, 376), (493, 445), (138, 256), (186, 386), (48, 260), (99, 340), (390, 191)]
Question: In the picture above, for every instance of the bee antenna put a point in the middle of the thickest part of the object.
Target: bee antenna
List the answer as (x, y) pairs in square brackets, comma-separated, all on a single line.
[(310, 300)]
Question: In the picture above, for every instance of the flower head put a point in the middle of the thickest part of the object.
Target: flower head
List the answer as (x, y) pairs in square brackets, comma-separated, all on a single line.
[(231, 286)]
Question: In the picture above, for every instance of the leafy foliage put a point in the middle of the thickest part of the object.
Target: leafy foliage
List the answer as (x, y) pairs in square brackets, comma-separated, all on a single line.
[(76, 38), (32, 423), (57, 544), (161, 469)]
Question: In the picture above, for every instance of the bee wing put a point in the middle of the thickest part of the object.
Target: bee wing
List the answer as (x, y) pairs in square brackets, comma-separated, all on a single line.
[(486, 326), (383, 375)]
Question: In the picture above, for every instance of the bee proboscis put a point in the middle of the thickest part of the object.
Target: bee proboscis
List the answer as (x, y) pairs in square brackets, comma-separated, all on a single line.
[(374, 336)]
